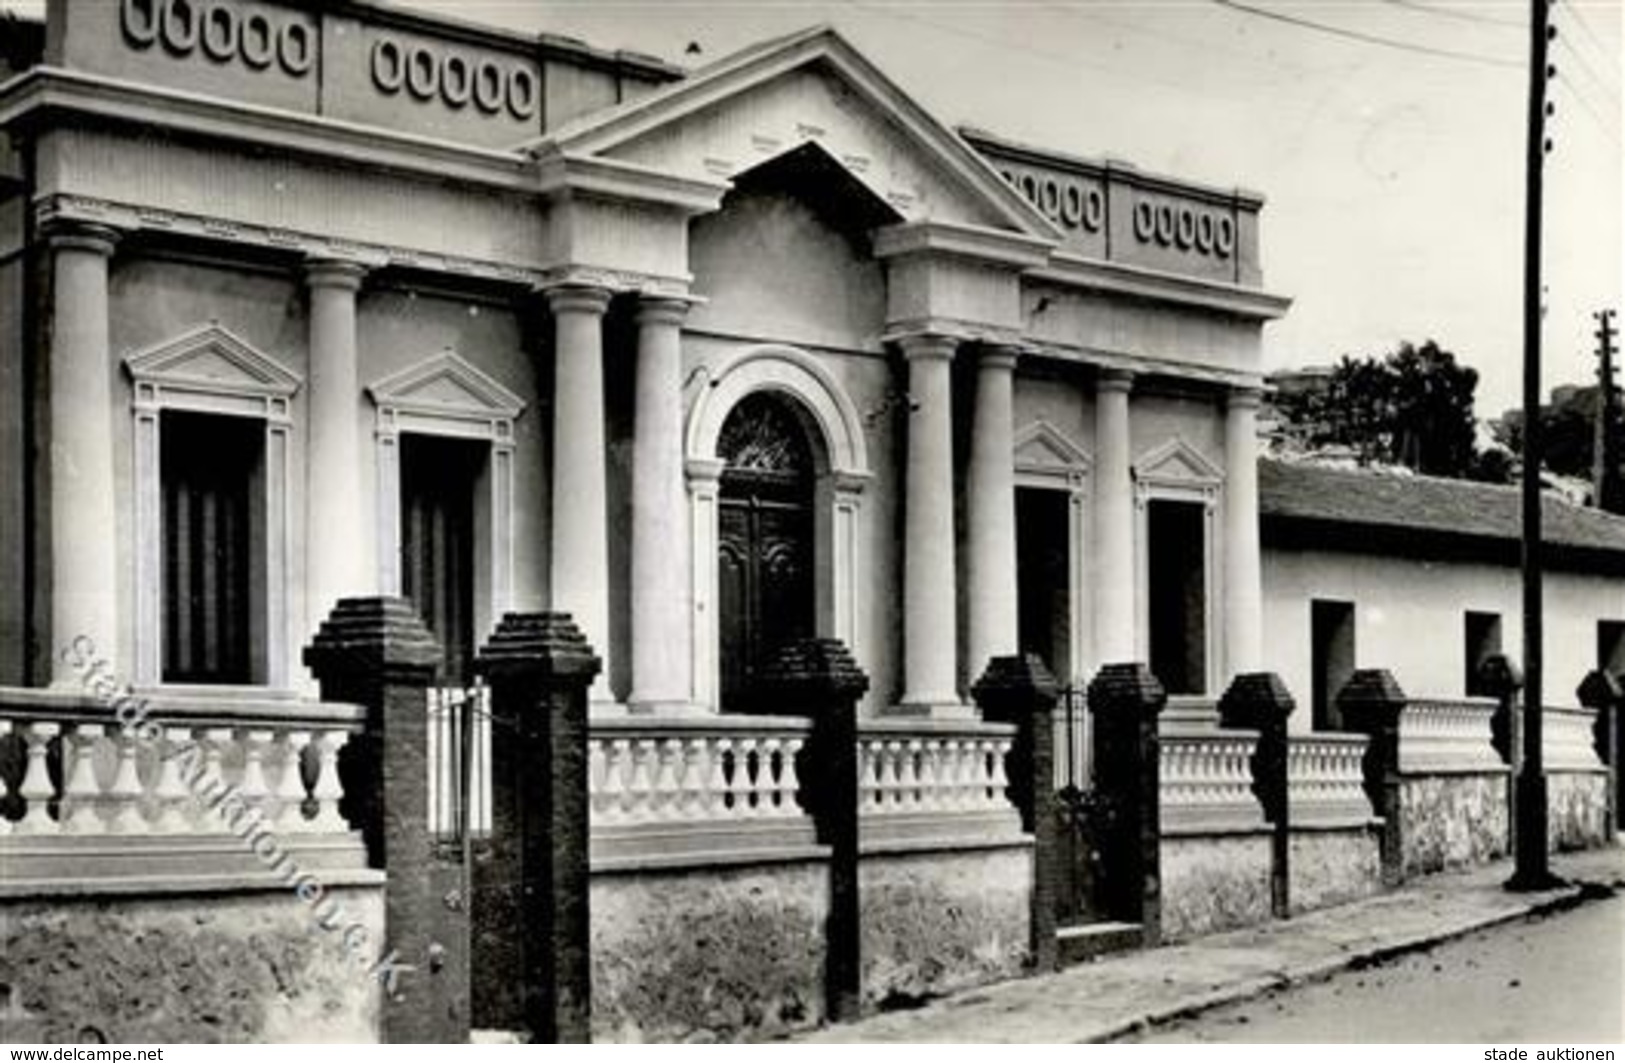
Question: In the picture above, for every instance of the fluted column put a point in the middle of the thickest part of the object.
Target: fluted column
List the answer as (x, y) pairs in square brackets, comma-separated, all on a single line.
[(930, 650), (84, 508), (1243, 579), (336, 522), (579, 558), (662, 650), (1114, 520), (991, 530)]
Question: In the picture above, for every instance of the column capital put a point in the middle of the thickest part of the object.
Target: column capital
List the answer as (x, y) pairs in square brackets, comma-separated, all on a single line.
[(580, 298), (655, 309), (342, 273), (72, 234), (1244, 397), (927, 346), (1114, 380)]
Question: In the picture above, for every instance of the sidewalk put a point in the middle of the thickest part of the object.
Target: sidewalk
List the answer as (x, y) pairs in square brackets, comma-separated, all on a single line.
[(1115, 996)]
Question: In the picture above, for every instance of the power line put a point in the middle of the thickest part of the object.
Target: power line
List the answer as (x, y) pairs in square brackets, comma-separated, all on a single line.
[(1369, 38), (1585, 26), (1608, 89), (1451, 12), (1602, 123)]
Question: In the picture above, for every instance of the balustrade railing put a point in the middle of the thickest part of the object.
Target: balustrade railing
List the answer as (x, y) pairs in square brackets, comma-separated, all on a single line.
[(923, 783), (1205, 781), (696, 789), (1439, 736), (1568, 742), (1325, 780), (200, 769)]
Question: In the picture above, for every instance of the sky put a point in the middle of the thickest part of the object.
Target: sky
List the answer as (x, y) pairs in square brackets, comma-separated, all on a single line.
[(1393, 172)]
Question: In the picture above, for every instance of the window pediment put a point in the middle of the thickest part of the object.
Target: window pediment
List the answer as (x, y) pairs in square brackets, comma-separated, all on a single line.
[(1176, 465), (212, 359), (446, 387), (1041, 448)]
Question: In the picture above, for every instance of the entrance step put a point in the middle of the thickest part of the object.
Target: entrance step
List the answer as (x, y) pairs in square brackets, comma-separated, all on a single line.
[(1086, 941)]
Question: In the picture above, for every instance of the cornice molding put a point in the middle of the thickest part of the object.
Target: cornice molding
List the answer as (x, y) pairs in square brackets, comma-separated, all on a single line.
[(1076, 271), (44, 92), (561, 175), (995, 247)]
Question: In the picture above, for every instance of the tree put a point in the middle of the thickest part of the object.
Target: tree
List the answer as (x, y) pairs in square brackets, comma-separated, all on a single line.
[(1412, 407)]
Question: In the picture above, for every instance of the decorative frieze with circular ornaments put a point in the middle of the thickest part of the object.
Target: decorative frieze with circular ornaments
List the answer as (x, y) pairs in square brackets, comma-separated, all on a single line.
[(221, 32), (1185, 226), (427, 73)]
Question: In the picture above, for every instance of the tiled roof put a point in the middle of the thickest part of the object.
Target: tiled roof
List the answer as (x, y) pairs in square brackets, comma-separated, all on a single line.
[(1395, 506)]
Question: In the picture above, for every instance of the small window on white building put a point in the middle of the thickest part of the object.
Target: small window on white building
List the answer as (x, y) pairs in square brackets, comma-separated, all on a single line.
[(1332, 636), (1482, 640), (1611, 646)]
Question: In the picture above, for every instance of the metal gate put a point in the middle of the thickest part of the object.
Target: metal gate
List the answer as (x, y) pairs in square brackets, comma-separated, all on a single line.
[(1077, 810)]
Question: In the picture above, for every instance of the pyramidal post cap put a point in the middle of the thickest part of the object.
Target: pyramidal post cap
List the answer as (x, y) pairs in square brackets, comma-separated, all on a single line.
[(544, 641), (1023, 675), (373, 632), (814, 666)]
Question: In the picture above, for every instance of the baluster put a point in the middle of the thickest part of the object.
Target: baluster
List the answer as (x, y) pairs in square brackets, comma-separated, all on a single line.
[(36, 789), (290, 785), (597, 783), (640, 787), (5, 788), (210, 785), (619, 751), (124, 795), (749, 783), (252, 787), (910, 789), (868, 779), (894, 775), (696, 773), (930, 777), (788, 780), (80, 791), (663, 801), (170, 793), (996, 792), (328, 789), (715, 798), (771, 805)]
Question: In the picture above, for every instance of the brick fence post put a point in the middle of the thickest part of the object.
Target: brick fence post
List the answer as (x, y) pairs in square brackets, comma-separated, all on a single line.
[(1260, 701), (1602, 692), (818, 678), (1126, 700), (1020, 690), (539, 666), (376, 652), (1372, 703)]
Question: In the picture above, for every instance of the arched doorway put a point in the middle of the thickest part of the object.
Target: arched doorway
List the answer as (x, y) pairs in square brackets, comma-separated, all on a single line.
[(765, 541)]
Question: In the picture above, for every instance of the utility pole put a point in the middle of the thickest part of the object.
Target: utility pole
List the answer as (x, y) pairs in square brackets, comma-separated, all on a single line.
[(1607, 493), (1529, 840)]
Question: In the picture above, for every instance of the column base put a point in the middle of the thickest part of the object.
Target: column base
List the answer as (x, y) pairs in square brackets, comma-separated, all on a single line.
[(942, 707), (665, 707)]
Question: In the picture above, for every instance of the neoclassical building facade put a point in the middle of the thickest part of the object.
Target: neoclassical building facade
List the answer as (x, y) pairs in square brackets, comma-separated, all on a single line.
[(307, 303)]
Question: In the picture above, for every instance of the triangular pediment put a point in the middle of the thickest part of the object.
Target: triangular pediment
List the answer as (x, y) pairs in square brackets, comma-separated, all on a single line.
[(1041, 447), (1177, 462), (809, 87), (212, 358), (447, 385)]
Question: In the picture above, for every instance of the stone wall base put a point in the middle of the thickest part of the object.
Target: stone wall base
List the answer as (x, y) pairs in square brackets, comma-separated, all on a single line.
[(1333, 866), (1214, 882), (934, 922), (1577, 810), (708, 954), (191, 968), (1452, 820)]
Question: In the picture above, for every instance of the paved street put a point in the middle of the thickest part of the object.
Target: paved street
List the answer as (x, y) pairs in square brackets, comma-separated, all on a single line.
[(1362, 971), (1557, 979)]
